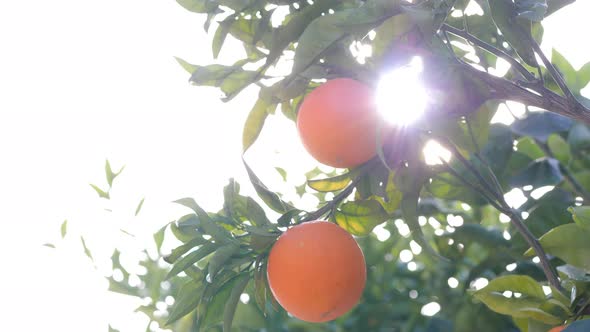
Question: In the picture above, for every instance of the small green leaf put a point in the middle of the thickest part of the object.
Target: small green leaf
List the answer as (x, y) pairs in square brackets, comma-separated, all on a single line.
[(537, 314), (49, 245), (138, 208), (581, 215), (190, 68), (220, 257), (539, 173), (192, 258), (270, 198), (559, 148), (360, 217), (86, 250), (218, 233), (64, 229), (232, 303), (254, 123), (186, 300), (565, 68), (282, 172), (532, 295), (539, 125), (110, 174), (111, 329), (220, 35), (215, 308), (579, 137), (198, 6), (568, 242), (101, 193), (183, 249), (159, 237), (330, 184)]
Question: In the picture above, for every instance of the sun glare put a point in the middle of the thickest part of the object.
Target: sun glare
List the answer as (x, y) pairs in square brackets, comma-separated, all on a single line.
[(401, 97)]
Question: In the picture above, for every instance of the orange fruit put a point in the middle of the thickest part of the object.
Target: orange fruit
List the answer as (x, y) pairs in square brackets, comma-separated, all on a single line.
[(338, 123), (316, 271), (558, 328)]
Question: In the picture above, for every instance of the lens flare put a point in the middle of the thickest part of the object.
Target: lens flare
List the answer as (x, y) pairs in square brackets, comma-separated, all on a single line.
[(401, 97)]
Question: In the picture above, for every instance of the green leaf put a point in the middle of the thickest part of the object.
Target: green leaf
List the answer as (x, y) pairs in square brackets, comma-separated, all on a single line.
[(537, 314), (573, 273), (220, 35), (296, 25), (64, 229), (190, 68), (541, 172), (198, 6), (565, 68), (215, 308), (242, 208), (254, 123), (581, 215), (230, 79), (49, 245), (289, 217), (533, 10), (568, 242), (86, 250), (282, 172), (111, 329), (532, 295), (220, 257), (527, 146), (218, 233), (232, 303), (192, 258), (138, 208), (110, 174), (579, 137), (360, 217), (186, 300), (183, 249), (270, 198), (101, 193), (539, 125), (516, 31), (159, 237), (326, 30), (559, 148), (335, 183)]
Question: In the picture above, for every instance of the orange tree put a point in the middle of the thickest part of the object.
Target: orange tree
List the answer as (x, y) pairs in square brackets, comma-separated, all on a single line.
[(454, 239)]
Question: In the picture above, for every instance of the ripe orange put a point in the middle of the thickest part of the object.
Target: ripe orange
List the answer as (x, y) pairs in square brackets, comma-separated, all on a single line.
[(338, 123), (316, 271), (558, 328)]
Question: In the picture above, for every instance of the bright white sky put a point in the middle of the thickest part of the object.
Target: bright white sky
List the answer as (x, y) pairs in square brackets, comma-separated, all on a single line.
[(84, 81)]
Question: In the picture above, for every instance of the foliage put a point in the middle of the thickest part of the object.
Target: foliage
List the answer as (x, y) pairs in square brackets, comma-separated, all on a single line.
[(448, 236)]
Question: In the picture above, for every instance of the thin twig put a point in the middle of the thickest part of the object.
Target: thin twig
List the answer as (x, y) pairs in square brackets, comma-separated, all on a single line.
[(494, 50), (499, 202), (578, 188), (326, 208), (553, 71)]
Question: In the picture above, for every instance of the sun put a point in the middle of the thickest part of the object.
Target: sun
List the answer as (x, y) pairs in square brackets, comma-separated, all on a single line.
[(401, 97)]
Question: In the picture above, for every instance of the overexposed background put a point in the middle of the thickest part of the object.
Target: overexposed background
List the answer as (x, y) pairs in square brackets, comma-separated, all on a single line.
[(84, 81)]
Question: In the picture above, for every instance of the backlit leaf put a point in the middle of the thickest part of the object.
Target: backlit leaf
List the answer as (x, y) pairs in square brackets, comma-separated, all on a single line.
[(360, 217), (568, 242), (186, 300)]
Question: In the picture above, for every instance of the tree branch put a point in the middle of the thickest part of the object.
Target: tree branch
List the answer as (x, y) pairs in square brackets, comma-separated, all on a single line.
[(495, 51)]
